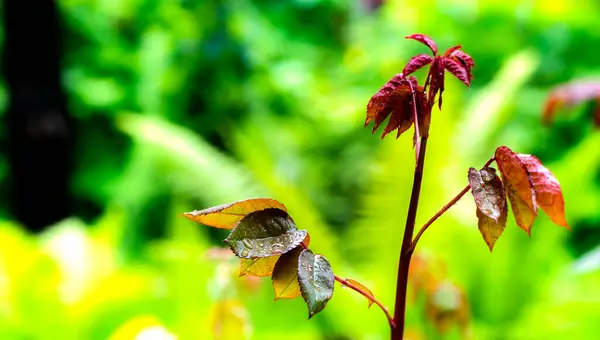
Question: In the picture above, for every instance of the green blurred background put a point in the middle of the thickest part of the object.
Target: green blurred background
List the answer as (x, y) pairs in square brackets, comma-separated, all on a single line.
[(182, 105)]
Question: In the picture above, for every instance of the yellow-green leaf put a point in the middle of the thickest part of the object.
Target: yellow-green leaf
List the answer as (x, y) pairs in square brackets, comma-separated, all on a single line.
[(228, 215), (259, 266), (285, 275)]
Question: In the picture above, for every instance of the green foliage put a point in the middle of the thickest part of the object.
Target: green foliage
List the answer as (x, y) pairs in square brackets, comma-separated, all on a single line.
[(192, 104)]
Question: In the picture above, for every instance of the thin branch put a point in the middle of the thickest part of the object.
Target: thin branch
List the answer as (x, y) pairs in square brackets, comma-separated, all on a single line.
[(369, 296), (442, 211)]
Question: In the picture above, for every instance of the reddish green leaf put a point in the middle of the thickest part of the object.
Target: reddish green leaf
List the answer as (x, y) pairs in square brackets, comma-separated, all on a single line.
[(265, 233), (262, 266), (488, 192), (316, 280), (417, 62), (547, 189), (425, 40), (285, 275), (518, 186), (228, 215), (491, 229)]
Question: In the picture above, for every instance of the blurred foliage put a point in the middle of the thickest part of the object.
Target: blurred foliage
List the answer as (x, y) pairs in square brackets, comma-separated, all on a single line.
[(182, 105)]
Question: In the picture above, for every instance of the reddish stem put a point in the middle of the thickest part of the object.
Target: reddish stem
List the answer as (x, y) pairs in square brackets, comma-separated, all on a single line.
[(417, 137), (404, 263), (442, 211), (369, 296)]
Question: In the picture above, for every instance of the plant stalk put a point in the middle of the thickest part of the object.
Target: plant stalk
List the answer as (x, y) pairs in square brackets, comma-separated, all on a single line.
[(442, 211), (404, 263)]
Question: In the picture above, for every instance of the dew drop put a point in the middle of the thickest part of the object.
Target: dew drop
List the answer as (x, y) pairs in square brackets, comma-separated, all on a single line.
[(244, 253), (247, 243)]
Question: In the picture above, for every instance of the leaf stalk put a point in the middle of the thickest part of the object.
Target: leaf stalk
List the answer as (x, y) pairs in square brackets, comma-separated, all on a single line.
[(368, 296), (442, 211)]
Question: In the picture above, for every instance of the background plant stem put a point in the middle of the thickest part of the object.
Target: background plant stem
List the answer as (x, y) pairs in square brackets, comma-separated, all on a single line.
[(404, 263)]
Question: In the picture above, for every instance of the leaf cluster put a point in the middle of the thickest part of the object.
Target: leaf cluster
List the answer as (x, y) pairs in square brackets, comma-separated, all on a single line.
[(266, 240), (405, 101), (525, 182)]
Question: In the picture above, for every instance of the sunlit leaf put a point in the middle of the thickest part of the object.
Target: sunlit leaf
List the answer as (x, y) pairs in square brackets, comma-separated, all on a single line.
[(262, 266), (285, 275), (488, 192), (265, 233), (547, 189), (363, 288), (417, 62), (518, 186), (491, 229), (228, 215), (306, 241), (425, 40), (316, 280)]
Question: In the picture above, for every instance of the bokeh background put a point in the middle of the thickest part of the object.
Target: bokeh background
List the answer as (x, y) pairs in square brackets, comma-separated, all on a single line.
[(171, 106)]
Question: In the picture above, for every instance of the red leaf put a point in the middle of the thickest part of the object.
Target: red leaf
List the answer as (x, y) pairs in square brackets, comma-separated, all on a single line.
[(547, 189), (571, 94), (457, 70), (451, 50), (395, 97), (437, 80), (464, 59), (425, 40), (518, 186), (417, 62)]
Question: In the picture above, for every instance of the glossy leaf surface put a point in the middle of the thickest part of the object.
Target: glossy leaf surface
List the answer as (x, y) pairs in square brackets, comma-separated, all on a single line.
[(547, 190), (228, 215), (417, 62), (395, 98), (316, 280), (425, 40), (518, 187), (265, 233), (488, 191), (285, 275)]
